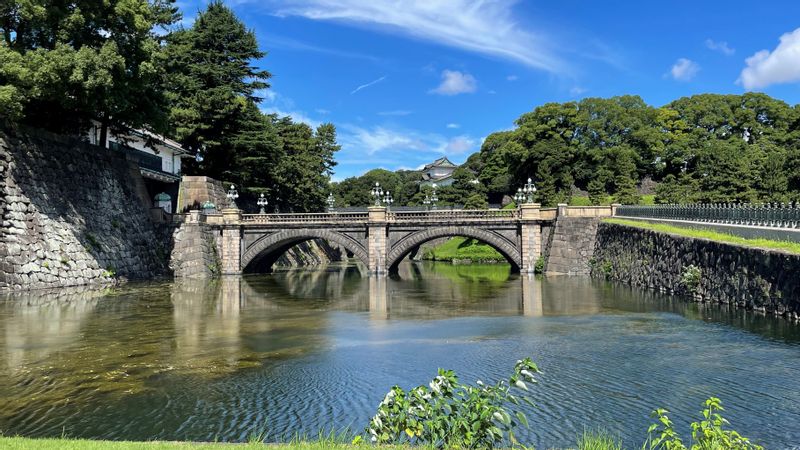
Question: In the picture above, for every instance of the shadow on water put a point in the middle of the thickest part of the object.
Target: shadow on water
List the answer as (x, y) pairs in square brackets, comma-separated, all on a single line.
[(302, 350)]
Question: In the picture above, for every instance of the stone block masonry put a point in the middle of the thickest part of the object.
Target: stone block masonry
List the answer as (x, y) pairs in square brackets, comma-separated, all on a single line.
[(572, 245), (751, 278), (71, 215)]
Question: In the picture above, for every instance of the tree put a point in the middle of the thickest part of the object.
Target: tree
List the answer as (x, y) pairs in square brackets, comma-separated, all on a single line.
[(476, 201), (64, 64), (212, 86)]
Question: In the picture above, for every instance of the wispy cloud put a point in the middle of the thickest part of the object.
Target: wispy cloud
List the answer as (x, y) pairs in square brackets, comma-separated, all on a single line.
[(282, 106), (720, 46), (684, 69), (371, 83), (396, 112), (401, 143), (512, 78), (488, 28), (782, 65), (454, 83), (453, 126), (322, 111), (275, 41), (577, 91)]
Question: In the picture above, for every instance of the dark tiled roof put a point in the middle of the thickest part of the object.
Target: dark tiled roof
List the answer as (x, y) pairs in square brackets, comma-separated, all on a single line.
[(441, 162)]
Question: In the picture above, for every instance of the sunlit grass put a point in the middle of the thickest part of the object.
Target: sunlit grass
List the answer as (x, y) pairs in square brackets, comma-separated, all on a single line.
[(463, 248), (598, 440), (701, 233)]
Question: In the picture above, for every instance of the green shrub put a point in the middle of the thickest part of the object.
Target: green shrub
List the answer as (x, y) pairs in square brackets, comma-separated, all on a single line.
[(690, 278), (707, 434), (110, 272), (449, 414), (607, 268), (539, 266)]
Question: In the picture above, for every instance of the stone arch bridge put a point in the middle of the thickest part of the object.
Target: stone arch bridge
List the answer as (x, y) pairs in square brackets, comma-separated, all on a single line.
[(379, 238)]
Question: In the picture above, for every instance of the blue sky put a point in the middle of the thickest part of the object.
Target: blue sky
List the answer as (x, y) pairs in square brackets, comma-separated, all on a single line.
[(408, 81)]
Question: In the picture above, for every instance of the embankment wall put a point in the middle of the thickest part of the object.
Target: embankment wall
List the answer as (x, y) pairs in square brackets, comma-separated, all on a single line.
[(72, 214), (757, 279)]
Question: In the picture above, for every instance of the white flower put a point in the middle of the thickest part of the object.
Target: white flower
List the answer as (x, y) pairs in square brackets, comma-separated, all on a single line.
[(480, 383), (373, 432), (521, 384), (528, 374), (374, 438), (498, 416)]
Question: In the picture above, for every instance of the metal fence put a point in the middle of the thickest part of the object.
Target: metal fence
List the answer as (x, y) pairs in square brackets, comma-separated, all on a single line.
[(776, 215)]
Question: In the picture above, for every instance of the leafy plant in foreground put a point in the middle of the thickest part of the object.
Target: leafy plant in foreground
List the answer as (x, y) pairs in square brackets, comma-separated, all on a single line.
[(707, 434), (447, 413)]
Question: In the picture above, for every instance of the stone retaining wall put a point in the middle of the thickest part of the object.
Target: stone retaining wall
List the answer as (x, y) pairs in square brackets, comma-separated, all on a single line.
[(572, 245), (71, 215), (758, 279)]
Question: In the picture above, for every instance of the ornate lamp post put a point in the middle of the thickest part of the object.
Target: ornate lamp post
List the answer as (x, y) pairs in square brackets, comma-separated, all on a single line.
[(519, 197), (529, 189), (377, 192), (331, 202), (232, 196), (434, 197), (427, 202), (388, 200), (262, 203)]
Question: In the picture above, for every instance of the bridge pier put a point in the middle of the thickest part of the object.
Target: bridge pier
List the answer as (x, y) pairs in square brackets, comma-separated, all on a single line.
[(231, 246), (377, 249), (530, 236)]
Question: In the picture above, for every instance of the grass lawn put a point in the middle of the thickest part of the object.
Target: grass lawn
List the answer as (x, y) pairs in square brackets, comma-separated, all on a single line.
[(791, 247), (18, 443), (463, 248)]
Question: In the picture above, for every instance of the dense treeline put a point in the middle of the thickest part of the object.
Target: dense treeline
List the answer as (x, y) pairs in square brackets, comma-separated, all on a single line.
[(124, 64), (704, 148)]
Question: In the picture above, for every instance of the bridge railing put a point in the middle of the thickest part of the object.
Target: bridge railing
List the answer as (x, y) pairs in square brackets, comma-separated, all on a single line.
[(776, 215), (333, 217), (454, 215)]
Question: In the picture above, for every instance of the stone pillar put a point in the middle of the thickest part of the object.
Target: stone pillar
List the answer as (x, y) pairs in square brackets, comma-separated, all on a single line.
[(194, 216), (563, 209), (231, 242), (614, 207), (531, 231), (376, 242)]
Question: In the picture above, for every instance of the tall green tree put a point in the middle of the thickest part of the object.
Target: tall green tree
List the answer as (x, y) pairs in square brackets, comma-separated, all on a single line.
[(212, 86), (65, 63)]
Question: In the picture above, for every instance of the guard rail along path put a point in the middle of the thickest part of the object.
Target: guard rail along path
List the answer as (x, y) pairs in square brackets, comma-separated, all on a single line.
[(776, 215), (378, 237)]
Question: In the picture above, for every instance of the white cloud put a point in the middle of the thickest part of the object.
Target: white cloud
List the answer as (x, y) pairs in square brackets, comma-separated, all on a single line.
[(453, 126), (371, 83), (454, 83), (720, 46), (322, 111), (782, 65), (512, 78), (459, 145), (491, 92), (380, 139), (577, 91), (399, 144), (396, 112), (485, 27), (684, 69)]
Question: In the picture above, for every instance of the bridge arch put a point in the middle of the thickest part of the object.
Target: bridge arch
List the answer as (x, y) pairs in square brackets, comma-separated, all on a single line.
[(272, 245), (502, 244)]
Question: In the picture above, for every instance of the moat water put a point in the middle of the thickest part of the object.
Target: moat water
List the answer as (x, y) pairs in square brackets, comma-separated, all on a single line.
[(299, 351)]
